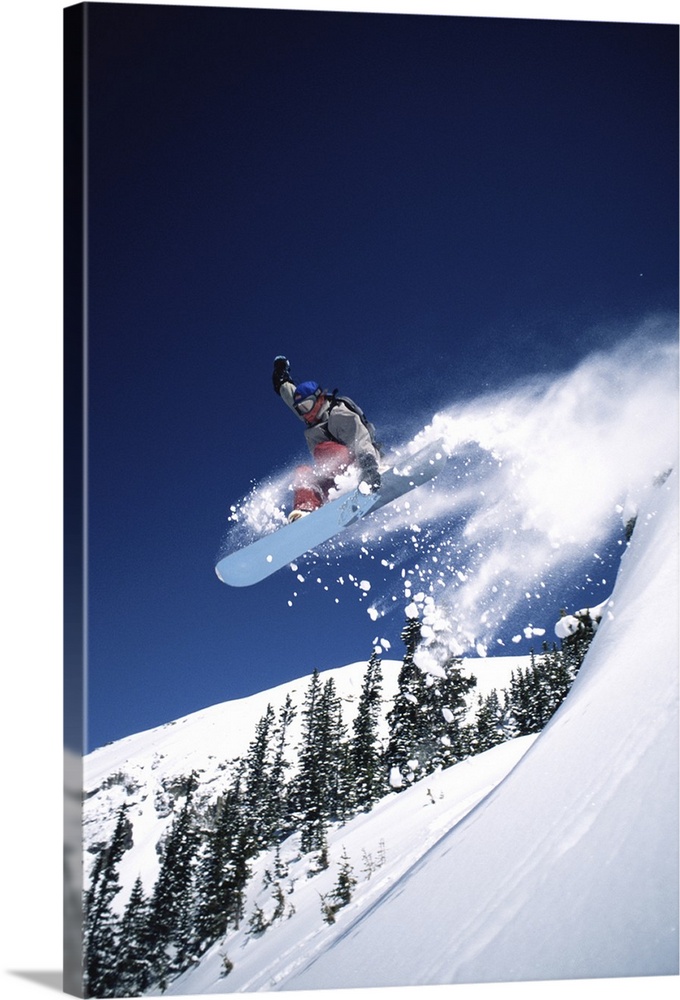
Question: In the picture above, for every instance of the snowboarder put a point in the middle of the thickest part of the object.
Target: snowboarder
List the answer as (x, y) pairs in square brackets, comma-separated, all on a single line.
[(337, 433)]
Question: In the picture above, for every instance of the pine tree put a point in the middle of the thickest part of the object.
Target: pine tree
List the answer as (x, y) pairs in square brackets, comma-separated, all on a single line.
[(133, 970), (341, 894), (427, 722), (490, 724), (344, 887), (279, 897), (404, 719), (444, 739), (307, 786), (536, 693), (557, 676), (248, 818), (172, 907), (335, 755), (280, 867), (575, 646), (321, 786), (257, 924), (223, 869), (102, 927), (258, 786), (278, 791), (366, 757), (321, 858), (519, 707)]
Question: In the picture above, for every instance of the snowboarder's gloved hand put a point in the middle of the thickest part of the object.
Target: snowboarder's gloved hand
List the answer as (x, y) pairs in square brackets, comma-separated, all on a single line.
[(281, 372), (369, 472)]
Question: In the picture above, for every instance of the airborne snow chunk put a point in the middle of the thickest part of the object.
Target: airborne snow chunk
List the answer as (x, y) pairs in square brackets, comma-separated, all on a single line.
[(270, 553)]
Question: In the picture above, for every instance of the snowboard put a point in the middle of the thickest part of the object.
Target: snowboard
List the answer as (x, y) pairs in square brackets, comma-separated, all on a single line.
[(267, 555)]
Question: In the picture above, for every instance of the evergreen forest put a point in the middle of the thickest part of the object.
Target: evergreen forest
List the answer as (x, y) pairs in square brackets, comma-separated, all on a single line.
[(337, 771)]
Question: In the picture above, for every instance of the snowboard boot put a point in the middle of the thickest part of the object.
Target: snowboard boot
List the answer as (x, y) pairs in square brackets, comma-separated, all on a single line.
[(307, 495)]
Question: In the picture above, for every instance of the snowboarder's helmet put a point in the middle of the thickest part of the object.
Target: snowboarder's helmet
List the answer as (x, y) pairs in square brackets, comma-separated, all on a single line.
[(306, 395)]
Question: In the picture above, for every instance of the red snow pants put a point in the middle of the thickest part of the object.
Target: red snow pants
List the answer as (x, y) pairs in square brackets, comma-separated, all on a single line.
[(312, 483)]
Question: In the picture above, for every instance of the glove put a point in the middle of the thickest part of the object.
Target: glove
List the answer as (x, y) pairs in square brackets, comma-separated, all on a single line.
[(369, 472), (281, 373)]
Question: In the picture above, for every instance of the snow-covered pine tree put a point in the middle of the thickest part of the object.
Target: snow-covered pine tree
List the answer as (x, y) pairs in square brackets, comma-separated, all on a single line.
[(491, 727), (321, 858), (279, 898), (278, 791), (257, 922), (444, 738), (427, 722), (366, 756), (307, 788), (575, 646), (280, 867), (557, 674), (102, 927), (519, 707), (536, 693), (320, 788), (133, 970), (171, 925), (258, 789), (345, 885), (223, 869), (336, 755), (341, 893), (403, 719)]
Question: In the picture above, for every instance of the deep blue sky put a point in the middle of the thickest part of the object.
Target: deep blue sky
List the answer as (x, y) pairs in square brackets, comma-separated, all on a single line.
[(412, 208)]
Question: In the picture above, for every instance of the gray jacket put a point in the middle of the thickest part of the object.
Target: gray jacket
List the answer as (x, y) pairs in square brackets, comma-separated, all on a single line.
[(337, 423)]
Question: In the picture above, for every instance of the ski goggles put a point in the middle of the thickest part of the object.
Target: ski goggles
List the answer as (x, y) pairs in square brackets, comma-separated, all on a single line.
[(306, 405), (310, 407)]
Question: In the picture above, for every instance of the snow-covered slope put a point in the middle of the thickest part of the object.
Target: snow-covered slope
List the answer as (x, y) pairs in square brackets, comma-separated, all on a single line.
[(569, 869), (145, 771), (546, 858), (381, 846)]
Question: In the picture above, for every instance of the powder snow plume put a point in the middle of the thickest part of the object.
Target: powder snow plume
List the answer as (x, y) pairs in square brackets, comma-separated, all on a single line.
[(540, 476), (541, 480)]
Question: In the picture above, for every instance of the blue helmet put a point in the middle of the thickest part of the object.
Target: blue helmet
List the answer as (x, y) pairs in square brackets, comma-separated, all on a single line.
[(305, 390)]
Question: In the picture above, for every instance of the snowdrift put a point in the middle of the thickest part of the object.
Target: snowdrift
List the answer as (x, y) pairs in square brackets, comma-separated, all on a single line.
[(569, 868)]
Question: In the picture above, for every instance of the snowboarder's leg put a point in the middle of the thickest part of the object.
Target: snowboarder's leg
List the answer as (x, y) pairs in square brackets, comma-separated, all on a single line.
[(311, 485), (330, 460), (307, 493)]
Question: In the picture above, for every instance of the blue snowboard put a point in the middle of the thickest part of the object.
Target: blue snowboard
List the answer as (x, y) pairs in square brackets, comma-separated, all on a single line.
[(272, 552)]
